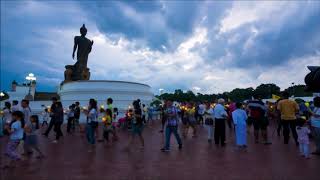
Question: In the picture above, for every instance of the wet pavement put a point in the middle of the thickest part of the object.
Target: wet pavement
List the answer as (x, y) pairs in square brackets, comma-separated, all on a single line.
[(70, 160)]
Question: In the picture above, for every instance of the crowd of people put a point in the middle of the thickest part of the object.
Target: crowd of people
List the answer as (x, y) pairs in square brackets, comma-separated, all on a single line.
[(21, 125)]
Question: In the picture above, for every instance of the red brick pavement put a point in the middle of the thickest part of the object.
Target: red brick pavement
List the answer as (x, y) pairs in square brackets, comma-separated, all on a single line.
[(70, 160)]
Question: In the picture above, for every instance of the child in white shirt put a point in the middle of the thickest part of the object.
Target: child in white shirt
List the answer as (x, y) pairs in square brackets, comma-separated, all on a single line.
[(45, 117), (303, 138)]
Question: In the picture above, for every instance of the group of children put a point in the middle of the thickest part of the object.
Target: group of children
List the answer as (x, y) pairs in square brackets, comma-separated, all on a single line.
[(20, 131), (110, 122)]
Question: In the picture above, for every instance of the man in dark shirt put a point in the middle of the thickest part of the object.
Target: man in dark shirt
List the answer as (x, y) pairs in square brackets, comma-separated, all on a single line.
[(171, 122), (52, 121), (76, 115), (257, 113), (137, 124)]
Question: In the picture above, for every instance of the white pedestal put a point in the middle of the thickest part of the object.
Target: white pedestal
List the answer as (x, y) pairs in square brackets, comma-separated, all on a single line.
[(122, 93)]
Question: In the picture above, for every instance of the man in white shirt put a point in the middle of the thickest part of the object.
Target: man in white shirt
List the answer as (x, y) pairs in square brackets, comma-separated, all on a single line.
[(220, 115)]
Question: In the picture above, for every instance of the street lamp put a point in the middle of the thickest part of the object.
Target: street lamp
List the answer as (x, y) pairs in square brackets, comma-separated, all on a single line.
[(1, 96), (161, 91), (30, 78), (292, 86)]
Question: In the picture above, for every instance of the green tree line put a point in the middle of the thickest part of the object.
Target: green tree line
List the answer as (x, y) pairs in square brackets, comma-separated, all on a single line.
[(264, 91)]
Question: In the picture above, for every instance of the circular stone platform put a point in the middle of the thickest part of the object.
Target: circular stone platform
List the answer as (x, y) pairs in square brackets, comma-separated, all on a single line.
[(122, 93)]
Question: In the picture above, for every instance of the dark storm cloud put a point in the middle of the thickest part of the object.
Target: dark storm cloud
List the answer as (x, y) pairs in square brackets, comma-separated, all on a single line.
[(155, 22), (292, 41), (37, 32), (271, 45)]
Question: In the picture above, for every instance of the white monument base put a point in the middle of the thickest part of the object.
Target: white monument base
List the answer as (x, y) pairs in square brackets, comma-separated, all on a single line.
[(123, 93)]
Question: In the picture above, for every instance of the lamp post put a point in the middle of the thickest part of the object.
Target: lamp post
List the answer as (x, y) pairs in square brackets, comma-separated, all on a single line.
[(161, 91), (292, 85), (30, 78), (1, 96)]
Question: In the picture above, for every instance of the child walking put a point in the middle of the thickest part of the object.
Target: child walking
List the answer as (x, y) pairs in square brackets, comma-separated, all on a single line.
[(16, 134), (107, 126), (46, 117), (32, 128), (303, 138)]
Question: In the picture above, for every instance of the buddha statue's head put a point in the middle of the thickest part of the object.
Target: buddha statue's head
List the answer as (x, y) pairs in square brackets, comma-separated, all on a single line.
[(83, 30)]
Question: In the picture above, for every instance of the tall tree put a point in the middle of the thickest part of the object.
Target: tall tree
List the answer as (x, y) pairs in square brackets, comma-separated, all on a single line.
[(266, 90), (241, 94), (298, 91)]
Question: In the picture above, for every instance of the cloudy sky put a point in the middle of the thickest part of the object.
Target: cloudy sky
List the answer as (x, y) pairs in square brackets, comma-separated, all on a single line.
[(207, 46)]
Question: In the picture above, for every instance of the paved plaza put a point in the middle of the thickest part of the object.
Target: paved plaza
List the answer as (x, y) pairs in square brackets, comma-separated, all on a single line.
[(70, 160)]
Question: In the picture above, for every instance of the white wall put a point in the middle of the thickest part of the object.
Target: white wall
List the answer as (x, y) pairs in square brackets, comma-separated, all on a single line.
[(122, 93)]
